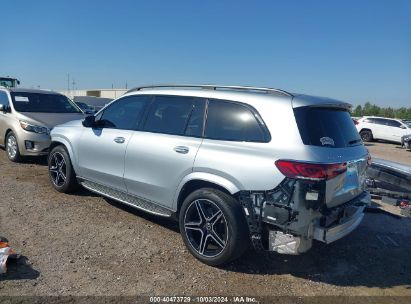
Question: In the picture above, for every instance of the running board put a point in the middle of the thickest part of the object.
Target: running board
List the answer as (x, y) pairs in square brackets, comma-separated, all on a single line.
[(127, 199)]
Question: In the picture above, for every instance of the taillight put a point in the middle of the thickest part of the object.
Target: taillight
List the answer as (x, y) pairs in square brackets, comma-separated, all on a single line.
[(293, 169), (355, 122)]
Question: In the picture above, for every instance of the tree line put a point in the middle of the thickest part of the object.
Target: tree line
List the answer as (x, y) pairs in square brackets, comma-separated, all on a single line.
[(369, 109)]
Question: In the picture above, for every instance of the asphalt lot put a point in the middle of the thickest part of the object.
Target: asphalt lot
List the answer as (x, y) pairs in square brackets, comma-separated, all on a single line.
[(83, 244)]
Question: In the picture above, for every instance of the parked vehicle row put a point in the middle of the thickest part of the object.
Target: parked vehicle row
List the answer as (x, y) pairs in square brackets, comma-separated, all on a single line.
[(26, 118), (236, 166), (390, 129)]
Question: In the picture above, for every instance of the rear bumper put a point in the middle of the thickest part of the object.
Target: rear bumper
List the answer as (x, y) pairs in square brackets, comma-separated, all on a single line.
[(352, 218)]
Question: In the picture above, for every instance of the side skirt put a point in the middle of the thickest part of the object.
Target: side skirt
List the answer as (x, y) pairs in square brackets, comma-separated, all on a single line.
[(126, 198)]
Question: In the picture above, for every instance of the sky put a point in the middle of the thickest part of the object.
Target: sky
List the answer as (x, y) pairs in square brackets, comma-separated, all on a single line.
[(355, 51)]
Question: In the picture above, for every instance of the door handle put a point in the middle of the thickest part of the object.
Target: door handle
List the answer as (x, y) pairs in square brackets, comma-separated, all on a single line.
[(181, 149), (120, 140)]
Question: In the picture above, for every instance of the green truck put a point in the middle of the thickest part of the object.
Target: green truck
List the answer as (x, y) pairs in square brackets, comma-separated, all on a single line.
[(9, 82)]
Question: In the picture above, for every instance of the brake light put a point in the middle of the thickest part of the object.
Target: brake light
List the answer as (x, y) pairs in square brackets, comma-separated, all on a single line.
[(300, 170)]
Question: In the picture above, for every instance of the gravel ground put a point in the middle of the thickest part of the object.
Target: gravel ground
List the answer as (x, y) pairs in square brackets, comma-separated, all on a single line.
[(83, 244)]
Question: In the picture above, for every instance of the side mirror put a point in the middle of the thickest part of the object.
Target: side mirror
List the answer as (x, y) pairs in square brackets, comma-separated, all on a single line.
[(403, 127), (4, 109), (89, 121)]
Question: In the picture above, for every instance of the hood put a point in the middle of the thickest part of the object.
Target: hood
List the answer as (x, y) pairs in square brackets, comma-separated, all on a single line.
[(49, 120), (405, 169), (72, 123)]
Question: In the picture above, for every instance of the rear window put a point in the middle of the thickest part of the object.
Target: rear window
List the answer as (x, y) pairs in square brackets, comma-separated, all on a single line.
[(326, 127)]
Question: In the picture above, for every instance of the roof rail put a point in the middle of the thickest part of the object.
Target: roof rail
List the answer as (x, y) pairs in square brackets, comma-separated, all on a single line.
[(215, 87)]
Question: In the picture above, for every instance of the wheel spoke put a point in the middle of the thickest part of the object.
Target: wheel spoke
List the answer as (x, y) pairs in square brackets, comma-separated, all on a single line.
[(217, 239), (216, 217), (200, 212), (192, 225), (63, 176), (203, 243), (56, 180)]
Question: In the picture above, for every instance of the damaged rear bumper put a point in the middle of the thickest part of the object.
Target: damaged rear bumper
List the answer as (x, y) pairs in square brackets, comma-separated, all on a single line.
[(282, 220), (333, 233)]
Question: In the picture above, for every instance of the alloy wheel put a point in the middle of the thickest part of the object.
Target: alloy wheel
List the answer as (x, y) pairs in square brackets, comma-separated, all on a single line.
[(206, 228), (58, 169), (12, 146)]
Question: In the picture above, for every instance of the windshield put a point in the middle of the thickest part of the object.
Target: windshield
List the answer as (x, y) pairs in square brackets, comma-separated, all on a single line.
[(43, 103), (326, 127), (5, 82)]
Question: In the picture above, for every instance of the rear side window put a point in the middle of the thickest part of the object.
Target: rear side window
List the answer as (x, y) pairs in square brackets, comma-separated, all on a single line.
[(177, 115), (326, 127), (231, 121)]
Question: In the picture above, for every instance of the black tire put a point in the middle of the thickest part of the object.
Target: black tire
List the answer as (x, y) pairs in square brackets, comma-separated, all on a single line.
[(61, 172), (230, 224), (366, 136), (12, 148)]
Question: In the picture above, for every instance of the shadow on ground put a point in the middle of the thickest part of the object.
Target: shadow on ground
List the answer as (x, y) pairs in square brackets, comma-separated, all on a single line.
[(19, 269), (377, 254), (168, 223)]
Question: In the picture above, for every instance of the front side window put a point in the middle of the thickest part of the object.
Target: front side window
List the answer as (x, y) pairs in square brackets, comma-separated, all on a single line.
[(125, 113), (178, 115), (43, 103), (393, 123), (4, 99), (231, 121)]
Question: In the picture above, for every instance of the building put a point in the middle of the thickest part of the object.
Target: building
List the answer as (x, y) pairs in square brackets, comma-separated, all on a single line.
[(102, 93)]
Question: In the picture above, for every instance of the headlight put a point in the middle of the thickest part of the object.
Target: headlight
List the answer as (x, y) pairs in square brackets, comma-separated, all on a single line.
[(32, 128)]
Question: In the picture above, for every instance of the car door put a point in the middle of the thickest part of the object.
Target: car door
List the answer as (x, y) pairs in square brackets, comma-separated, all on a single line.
[(396, 130), (381, 129), (4, 116), (163, 152), (102, 148)]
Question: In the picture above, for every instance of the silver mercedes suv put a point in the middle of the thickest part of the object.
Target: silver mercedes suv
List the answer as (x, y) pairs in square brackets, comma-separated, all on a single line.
[(237, 166)]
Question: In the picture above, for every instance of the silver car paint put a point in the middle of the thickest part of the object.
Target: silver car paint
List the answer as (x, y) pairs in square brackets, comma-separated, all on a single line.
[(150, 172), (147, 166), (100, 158), (153, 167)]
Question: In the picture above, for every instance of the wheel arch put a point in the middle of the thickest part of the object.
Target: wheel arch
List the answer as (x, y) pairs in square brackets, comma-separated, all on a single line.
[(365, 129), (200, 180), (63, 142), (7, 133)]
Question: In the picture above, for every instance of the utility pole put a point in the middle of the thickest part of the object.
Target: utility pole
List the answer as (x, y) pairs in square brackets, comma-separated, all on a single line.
[(73, 83)]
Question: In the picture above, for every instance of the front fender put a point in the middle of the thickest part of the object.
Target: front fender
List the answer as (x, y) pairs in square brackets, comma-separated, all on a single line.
[(64, 141)]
